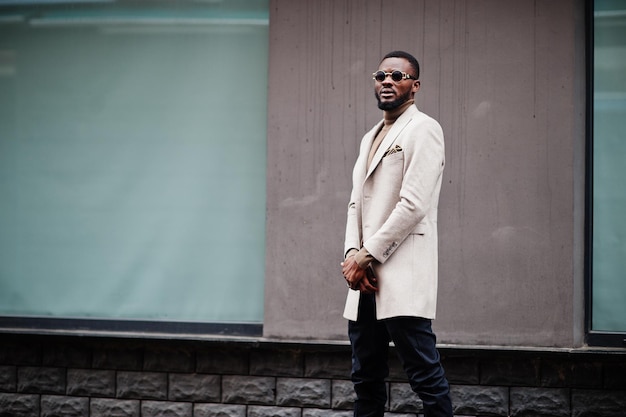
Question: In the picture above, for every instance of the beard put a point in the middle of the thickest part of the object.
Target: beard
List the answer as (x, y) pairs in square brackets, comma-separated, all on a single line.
[(391, 105)]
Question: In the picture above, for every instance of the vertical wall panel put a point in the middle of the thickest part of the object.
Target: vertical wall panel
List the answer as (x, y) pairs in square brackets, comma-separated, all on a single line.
[(501, 79)]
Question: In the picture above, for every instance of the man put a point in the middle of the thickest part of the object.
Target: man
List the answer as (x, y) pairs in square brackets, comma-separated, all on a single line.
[(391, 261)]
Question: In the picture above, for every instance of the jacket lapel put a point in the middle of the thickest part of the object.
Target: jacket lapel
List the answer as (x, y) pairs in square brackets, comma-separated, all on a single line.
[(368, 141), (391, 137)]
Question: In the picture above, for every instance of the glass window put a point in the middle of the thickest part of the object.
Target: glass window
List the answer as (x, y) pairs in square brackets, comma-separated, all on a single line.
[(132, 160), (608, 285)]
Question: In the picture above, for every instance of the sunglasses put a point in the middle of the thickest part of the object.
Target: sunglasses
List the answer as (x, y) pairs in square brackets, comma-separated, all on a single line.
[(396, 76)]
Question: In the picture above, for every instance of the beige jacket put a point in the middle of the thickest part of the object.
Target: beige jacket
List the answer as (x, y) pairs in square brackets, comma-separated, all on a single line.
[(393, 214)]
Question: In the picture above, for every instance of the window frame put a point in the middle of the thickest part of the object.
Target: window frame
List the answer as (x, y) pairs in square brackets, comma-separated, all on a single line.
[(592, 337), (132, 328)]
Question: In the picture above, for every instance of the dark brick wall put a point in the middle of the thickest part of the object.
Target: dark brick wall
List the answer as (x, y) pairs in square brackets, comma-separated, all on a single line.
[(46, 376)]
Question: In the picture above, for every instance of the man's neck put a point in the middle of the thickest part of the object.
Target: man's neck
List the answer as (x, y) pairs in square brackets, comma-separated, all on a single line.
[(392, 115)]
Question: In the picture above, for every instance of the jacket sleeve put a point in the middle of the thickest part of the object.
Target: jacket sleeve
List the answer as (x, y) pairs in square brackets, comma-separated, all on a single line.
[(353, 237), (353, 233)]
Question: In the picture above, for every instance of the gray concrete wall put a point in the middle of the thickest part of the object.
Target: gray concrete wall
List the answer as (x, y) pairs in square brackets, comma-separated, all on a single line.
[(506, 81)]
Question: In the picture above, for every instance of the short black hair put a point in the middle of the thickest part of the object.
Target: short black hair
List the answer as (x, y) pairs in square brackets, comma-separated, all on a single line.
[(401, 54)]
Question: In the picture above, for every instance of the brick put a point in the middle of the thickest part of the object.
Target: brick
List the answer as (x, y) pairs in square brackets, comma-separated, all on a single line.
[(303, 392), (66, 355), (545, 402), (596, 403), (615, 375), (480, 400), (16, 353), (260, 411), (522, 371), (166, 409), (396, 371), (194, 387), (19, 405), (461, 370), (316, 412), (8, 378), (403, 399), (389, 414), (586, 375), (60, 405), (126, 357), (289, 362), (169, 359), (219, 410), (343, 395), (91, 382), (223, 361), (142, 385), (105, 407), (248, 389), (566, 373), (328, 364), (39, 380)]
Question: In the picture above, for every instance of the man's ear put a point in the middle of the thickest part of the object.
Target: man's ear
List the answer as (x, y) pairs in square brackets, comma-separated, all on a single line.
[(416, 86)]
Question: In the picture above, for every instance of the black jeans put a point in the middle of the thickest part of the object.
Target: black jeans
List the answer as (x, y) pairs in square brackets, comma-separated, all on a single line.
[(415, 344)]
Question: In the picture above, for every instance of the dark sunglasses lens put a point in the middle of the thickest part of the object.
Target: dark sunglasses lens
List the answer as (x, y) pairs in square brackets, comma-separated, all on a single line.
[(380, 76), (396, 76)]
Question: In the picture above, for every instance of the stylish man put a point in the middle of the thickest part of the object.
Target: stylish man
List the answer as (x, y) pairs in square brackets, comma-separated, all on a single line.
[(391, 260)]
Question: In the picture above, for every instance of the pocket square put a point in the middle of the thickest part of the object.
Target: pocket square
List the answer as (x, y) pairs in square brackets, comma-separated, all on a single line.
[(393, 150)]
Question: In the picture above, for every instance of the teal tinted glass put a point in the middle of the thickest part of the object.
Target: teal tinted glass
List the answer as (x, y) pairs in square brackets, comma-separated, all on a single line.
[(132, 160), (609, 171)]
